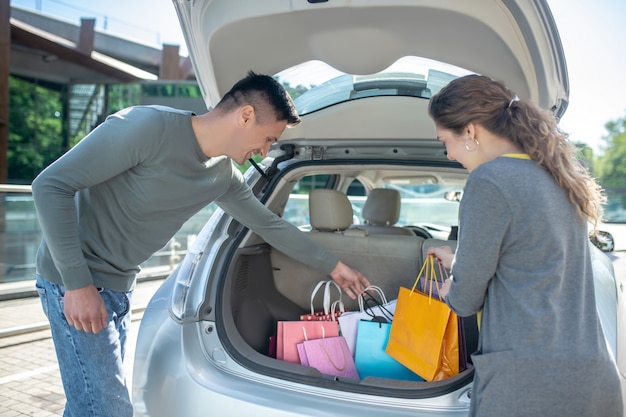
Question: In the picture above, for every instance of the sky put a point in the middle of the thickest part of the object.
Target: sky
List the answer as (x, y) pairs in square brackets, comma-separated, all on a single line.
[(592, 33)]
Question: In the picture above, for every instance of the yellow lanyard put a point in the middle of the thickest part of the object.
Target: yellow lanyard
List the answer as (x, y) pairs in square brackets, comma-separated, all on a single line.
[(516, 155)]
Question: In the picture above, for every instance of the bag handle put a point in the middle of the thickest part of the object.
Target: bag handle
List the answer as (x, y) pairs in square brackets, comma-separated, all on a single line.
[(375, 288), (333, 309), (307, 338), (428, 270), (386, 315), (327, 303), (330, 359), (326, 299), (444, 274)]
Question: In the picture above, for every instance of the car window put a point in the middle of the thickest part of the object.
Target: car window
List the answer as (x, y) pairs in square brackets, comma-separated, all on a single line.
[(427, 205), (315, 85), (297, 207)]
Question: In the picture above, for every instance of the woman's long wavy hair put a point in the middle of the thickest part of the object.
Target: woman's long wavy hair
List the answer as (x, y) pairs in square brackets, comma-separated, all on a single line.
[(479, 99)]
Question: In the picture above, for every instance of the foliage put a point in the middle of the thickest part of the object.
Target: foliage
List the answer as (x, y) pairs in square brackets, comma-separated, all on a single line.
[(171, 90), (244, 167), (611, 169), (585, 155), (122, 96), (295, 92), (35, 129), (611, 166)]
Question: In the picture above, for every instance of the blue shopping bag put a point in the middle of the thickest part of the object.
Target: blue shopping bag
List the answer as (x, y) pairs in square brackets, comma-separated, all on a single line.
[(370, 356)]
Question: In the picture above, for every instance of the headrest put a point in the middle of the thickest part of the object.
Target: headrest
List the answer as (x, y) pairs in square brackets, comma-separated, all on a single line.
[(382, 207), (329, 210)]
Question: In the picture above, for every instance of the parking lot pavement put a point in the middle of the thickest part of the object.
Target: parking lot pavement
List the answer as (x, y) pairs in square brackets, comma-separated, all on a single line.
[(30, 384)]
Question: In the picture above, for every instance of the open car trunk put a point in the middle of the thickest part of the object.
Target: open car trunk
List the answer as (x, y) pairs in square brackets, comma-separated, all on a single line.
[(264, 286)]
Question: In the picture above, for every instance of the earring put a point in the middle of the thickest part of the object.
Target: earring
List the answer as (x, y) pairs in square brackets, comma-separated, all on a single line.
[(467, 148)]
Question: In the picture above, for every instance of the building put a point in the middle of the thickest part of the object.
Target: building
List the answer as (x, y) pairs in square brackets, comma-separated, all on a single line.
[(84, 65)]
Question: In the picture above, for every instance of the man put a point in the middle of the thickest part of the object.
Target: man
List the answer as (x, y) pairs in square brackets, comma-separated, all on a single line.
[(119, 195)]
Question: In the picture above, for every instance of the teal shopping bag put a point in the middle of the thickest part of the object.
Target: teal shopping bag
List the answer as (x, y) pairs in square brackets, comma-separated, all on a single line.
[(370, 356)]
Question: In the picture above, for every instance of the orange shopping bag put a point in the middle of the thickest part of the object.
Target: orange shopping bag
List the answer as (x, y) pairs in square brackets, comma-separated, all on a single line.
[(424, 334)]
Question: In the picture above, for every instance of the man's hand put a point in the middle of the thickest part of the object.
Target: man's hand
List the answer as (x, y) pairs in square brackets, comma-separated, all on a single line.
[(350, 280), (84, 309)]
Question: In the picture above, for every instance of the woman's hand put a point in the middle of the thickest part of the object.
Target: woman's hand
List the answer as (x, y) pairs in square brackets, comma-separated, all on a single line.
[(445, 288), (443, 254)]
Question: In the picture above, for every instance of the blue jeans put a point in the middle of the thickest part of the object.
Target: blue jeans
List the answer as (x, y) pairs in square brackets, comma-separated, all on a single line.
[(91, 365)]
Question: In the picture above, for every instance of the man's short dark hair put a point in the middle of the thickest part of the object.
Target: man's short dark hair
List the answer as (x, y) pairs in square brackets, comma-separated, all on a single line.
[(259, 91)]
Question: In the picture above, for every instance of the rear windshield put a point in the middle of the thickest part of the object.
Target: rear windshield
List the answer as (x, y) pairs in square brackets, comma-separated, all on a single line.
[(315, 84)]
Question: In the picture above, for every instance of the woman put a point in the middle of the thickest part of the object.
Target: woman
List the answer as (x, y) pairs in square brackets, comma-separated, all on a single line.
[(523, 257)]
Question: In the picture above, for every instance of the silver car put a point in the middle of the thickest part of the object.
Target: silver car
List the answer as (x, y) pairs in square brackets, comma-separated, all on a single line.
[(361, 73)]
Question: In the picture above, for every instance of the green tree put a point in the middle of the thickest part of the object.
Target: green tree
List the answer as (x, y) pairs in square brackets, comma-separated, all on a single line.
[(121, 96), (36, 120), (36, 125), (295, 92), (611, 169), (585, 155), (611, 166)]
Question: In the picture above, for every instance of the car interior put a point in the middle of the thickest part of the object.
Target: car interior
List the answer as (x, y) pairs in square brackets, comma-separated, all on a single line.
[(264, 286)]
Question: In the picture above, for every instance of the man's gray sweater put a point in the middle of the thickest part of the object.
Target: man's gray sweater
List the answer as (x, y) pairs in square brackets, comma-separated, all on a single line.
[(122, 192)]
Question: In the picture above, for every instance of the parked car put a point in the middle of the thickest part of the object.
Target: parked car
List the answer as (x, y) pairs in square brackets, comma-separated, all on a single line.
[(614, 233), (603, 240), (203, 345)]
